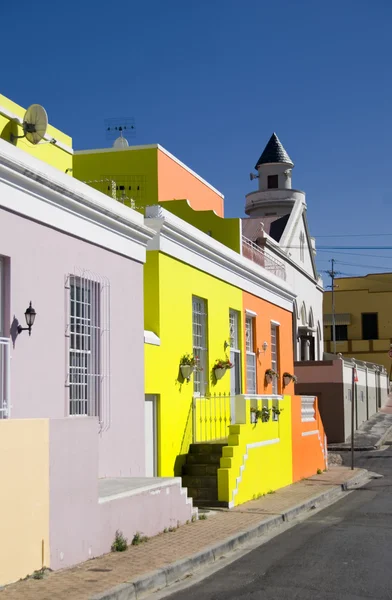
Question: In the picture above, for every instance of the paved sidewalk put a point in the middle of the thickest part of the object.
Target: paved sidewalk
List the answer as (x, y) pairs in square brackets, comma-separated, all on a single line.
[(206, 537), (370, 435)]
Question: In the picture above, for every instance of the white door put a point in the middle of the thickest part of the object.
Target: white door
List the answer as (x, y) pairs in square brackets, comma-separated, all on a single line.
[(150, 430)]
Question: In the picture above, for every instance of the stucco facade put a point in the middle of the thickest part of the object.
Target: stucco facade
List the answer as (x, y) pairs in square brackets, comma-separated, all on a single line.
[(356, 300), (140, 176), (331, 380)]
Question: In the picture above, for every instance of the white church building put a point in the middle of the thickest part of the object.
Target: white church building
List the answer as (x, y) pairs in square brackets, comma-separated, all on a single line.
[(277, 223)]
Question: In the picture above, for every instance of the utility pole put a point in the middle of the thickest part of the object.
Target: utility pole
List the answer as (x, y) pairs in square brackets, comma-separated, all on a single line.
[(332, 273)]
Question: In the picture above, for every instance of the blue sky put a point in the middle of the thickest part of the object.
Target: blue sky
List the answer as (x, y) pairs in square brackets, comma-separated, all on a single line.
[(211, 80)]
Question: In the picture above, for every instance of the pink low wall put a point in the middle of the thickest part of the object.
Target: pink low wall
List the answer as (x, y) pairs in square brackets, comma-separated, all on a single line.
[(82, 526), (148, 513)]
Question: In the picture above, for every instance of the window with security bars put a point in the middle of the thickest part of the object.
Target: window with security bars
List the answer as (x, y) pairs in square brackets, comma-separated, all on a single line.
[(200, 348), (235, 353), (89, 352), (250, 356), (275, 356)]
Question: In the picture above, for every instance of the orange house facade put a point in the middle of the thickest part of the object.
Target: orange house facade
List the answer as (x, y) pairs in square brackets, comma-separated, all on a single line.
[(268, 345)]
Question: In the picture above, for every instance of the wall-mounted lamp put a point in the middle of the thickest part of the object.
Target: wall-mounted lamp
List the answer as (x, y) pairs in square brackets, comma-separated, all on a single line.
[(30, 315), (264, 347)]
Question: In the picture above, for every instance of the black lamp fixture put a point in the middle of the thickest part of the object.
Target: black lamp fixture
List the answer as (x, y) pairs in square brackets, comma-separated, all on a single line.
[(30, 315)]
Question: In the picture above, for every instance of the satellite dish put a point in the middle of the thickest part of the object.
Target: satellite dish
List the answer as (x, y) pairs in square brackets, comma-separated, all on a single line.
[(35, 123), (252, 176), (121, 142)]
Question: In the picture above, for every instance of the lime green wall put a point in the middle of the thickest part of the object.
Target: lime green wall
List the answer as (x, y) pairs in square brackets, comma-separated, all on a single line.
[(178, 282), (131, 168), (250, 464), (226, 231), (49, 153)]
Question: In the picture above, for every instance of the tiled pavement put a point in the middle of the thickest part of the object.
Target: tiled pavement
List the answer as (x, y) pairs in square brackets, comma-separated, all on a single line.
[(100, 574)]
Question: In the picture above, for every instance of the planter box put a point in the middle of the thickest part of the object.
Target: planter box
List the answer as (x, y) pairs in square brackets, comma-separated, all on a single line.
[(219, 373), (268, 378), (186, 371), (286, 381)]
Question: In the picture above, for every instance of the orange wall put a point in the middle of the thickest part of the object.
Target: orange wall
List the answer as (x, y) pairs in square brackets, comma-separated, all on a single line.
[(307, 450), (176, 182), (267, 312)]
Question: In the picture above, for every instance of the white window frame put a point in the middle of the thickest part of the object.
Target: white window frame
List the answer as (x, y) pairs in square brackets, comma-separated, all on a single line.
[(88, 335), (251, 376), (200, 344), (235, 352), (275, 355)]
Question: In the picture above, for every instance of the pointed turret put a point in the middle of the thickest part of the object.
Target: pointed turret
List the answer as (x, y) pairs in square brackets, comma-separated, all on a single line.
[(274, 153), (275, 196)]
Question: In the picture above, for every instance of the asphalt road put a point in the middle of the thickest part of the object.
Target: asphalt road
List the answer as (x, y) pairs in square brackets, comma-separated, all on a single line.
[(342, 552)]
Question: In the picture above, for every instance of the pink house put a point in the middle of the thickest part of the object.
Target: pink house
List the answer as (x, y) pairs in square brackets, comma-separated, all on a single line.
[(72, 388)]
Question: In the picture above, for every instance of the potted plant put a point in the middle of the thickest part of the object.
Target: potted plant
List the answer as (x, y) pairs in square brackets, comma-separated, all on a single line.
[(270, 374), (188, 363), (220, 367), (263, 414), (276, 412), (288, 377)]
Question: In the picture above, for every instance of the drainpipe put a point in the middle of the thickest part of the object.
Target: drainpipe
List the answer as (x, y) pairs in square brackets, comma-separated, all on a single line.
[(367, 392)]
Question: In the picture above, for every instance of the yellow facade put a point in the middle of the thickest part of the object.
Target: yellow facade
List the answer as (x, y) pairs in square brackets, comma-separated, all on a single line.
[(353, 297), (258, 457), (24, 502), (134, 172), (169, 288), (49, 153)]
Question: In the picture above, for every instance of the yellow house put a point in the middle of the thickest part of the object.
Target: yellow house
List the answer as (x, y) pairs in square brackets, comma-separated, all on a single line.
[(56, 147), (362, 318)]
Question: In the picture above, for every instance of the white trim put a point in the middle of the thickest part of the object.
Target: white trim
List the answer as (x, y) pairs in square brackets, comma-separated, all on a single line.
[(250, 313), (151, 147), (44, 194), (263, 396), (151, 338), (275, 323), (197, 249), (314, 432), (49, 138), (175, 481), (245, 458)]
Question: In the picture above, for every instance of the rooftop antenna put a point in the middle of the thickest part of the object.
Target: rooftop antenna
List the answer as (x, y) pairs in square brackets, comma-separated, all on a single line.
[(35, 123), (119, 129)]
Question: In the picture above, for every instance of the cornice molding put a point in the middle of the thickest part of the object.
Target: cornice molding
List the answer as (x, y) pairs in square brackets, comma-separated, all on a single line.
[(42, 193), (190, 245)]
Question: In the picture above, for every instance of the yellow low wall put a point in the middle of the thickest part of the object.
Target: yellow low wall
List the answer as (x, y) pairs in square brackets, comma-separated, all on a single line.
[(24, 498), (258, 457)]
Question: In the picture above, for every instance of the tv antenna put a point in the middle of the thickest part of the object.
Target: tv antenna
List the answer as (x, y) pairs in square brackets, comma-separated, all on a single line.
[(119, 129), (35, 123)]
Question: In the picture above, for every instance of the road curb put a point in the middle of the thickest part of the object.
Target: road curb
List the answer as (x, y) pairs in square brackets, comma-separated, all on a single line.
[(161, 578), (376, 446)]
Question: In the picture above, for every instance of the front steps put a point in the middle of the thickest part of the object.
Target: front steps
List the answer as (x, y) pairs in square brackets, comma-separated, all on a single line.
[(199, 474)]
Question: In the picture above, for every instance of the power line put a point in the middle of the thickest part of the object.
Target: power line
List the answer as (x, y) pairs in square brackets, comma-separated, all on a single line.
[(359, 266), (344, 235), (356, 254)]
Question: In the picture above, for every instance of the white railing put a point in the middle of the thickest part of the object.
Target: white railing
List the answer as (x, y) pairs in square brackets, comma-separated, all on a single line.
[(308, 411), (5, 376), (257, 255)]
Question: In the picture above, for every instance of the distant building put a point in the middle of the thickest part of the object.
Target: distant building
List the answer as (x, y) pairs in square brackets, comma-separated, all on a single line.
[(277, 231), (363, 318)]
